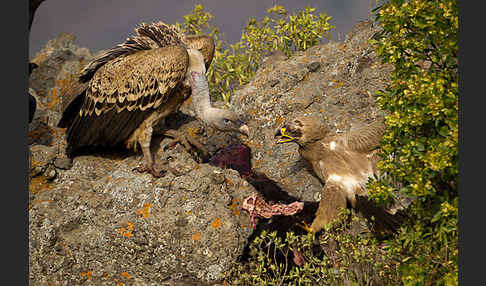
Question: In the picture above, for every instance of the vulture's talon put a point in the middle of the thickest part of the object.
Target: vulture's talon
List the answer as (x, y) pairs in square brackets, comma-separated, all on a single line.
[(151, 170), (187, 142)]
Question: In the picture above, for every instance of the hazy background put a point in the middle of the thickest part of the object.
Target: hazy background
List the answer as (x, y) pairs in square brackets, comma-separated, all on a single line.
[(101, 24)]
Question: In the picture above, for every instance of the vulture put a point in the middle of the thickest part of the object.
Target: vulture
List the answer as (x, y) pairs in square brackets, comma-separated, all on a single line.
[(127, 90), (343, 162)]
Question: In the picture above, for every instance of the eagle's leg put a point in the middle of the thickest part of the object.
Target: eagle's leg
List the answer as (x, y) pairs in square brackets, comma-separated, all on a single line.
[(149, 166), (333, 199), (186, 141)]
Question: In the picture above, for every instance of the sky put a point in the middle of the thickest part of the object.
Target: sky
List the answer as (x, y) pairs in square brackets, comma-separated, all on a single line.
[(102, 24)]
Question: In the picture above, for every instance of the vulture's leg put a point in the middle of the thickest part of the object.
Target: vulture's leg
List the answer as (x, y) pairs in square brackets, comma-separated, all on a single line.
[(186, 141), (149, 166)]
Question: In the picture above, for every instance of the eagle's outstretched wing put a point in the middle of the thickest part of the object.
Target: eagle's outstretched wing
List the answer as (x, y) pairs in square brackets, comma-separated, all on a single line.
[(366, 138), (122, 93)]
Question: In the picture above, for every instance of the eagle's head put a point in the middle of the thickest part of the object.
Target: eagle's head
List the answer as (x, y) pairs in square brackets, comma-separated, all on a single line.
[(301, 130)]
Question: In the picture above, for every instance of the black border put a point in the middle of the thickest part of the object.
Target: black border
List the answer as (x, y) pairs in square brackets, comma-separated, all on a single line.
[(14, 124), (14, 117), (471, 198)]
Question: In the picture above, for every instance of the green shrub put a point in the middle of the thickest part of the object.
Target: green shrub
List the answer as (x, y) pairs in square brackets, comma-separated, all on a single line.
[(335, 257), (235, 64), (419, 39)]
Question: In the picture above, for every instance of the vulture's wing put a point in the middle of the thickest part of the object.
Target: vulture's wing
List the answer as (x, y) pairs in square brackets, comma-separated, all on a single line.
[(122, 93), (71, 102), (366, 138)]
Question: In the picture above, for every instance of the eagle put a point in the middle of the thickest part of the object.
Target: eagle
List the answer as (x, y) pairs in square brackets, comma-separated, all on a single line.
[(126, 91), (343, 162)]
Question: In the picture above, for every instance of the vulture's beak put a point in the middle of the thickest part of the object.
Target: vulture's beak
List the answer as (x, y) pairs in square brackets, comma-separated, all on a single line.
[(282, 137), (245, 130)]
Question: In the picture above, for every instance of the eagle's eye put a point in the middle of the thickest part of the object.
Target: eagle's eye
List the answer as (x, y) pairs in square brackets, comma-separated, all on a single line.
[(227, 121)]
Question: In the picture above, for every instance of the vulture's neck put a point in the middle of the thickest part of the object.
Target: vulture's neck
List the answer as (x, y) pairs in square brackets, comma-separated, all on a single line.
[(201, 100)]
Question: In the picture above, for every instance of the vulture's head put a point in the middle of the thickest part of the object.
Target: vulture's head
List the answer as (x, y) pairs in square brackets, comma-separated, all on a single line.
[(226, 120), (221, 119), (302, 130)]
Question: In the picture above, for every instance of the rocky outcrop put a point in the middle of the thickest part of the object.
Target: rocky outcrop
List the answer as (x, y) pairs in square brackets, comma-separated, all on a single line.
[(94, 221)]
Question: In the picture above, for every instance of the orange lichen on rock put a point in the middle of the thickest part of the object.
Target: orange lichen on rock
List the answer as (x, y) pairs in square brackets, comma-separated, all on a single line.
[(235, 207), (145, 211), (87, 274), (188, 101), (196, 236), (126, 275), (127, 232), (216, 223), (36, 186)]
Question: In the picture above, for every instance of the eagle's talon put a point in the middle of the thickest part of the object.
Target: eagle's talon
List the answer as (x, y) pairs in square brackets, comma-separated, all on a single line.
[(305, 226)]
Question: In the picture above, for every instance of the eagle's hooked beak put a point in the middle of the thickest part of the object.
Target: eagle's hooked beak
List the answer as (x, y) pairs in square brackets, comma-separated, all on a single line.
[(281, 133)]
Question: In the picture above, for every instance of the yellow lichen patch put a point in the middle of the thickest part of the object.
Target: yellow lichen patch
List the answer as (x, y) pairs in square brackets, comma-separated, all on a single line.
[(126, 275), (87, 274), (145, 211), (341, 47), (188, 212), (216, 223), (228, 181), (196, 236), (40, 58), (36, 186), (192, 131)]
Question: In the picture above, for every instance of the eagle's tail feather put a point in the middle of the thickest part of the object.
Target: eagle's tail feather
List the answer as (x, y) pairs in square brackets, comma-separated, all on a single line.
[(381, 220)]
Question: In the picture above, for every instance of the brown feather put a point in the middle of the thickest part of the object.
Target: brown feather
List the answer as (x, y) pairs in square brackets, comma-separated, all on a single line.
[(149, 36), (366, 138)]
